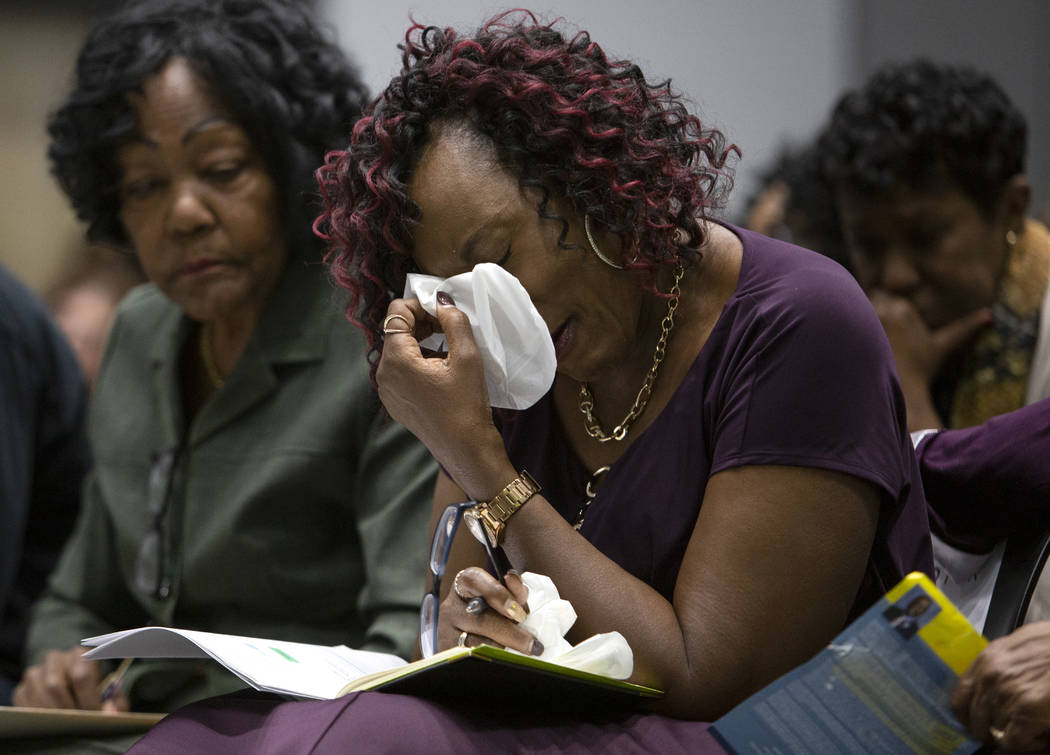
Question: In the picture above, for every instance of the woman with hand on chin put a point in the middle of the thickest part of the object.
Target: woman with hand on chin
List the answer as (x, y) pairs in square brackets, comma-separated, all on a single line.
[(245, 479), (927, 164), (730, 399)]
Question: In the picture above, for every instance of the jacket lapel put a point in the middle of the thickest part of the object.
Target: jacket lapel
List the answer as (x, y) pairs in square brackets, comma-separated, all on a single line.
[(294, 329)]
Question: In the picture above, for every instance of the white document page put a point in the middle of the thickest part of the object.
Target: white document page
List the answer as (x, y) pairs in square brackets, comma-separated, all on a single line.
[(290, 668)]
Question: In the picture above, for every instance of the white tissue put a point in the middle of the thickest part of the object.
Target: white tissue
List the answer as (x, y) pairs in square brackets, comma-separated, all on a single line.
[(551, 616), (607, 654), (517, 353)]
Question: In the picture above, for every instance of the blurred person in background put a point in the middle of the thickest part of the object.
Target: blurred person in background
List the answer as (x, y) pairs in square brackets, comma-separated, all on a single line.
[(927, 163), (245, 479), (796, 204), (84, 300), (43, 459), (928, 166)]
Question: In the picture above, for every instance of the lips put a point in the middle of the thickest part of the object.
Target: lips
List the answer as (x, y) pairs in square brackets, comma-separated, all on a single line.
[(197, 267), (563, 338)]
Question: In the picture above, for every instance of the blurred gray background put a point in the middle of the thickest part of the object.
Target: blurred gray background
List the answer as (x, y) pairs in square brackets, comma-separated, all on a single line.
[(765, 71)]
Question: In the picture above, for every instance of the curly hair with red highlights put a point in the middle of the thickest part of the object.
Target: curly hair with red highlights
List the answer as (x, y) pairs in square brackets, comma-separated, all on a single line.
[(564, 118)]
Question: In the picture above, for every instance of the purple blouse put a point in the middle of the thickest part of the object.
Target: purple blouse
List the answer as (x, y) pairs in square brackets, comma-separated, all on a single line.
[(991, 481), (797, 371)]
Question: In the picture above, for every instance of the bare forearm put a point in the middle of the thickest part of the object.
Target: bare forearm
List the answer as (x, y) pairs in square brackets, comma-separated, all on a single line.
[(767, 541), (607, 598)]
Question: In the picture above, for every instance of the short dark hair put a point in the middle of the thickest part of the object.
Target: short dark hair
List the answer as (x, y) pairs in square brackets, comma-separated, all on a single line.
[(810, 196), (919, 123), (293, 91), (561, 115)]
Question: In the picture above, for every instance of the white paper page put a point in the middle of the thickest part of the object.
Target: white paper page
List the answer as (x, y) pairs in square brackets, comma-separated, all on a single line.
[(294, 668), (967, 578)]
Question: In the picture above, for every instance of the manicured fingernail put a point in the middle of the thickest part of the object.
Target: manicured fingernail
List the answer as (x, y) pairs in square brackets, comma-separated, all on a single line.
[(515, 610), (445, 300), (537, 648)]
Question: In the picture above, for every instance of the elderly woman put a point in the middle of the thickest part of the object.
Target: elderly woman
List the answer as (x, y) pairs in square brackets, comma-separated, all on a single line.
[(245, 478), (927, 165), (731, 398)]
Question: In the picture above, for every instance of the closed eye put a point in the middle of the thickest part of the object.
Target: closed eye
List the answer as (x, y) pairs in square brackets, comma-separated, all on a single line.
[(224, 173), (141, 188)]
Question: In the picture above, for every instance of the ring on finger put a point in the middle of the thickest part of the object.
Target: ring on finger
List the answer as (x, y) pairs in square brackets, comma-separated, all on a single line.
[(997, 733), (387, 330), (455, 585), (462, 642)]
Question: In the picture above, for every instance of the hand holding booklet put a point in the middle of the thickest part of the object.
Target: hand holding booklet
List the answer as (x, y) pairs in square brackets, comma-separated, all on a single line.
[(882, 685)]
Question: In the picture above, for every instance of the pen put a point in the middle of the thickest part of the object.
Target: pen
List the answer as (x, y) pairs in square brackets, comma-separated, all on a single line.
[(110, 685)]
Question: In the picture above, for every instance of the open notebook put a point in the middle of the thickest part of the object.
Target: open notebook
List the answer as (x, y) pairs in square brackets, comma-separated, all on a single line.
[(325, 672)]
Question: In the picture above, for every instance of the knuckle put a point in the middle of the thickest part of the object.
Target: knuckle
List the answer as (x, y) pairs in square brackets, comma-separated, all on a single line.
[(473, 575), (53, 683), (1029, 704), (82, 672)]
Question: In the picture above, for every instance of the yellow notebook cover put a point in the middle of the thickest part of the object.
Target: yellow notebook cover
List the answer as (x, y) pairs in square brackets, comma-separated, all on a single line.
[(486, 672)]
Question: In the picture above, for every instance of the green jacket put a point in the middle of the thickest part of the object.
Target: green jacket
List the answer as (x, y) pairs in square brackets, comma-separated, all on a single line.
[(297, 510)]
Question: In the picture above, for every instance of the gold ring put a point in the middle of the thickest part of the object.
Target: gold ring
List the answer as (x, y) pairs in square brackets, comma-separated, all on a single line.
[(462, 640), (455, 585), (997, 733), (387, 330)]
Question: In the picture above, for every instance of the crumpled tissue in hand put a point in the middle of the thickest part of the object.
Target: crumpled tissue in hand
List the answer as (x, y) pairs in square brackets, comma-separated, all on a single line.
[(550, 617), (517, 353)]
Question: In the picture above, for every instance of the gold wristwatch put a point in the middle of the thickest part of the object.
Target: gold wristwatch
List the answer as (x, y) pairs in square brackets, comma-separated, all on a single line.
[(493, 515)]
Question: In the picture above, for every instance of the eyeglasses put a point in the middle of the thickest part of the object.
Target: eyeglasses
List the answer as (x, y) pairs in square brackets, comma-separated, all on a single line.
[(439, 551), (152, 573)]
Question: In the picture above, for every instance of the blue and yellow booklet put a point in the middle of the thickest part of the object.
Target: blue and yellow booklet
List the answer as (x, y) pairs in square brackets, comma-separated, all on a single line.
[(882, 685)]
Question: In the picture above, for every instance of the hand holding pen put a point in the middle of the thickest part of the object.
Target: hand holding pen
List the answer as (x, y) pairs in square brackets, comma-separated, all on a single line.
[(489, 604), (500, 568), (64, 679), (111, 688)]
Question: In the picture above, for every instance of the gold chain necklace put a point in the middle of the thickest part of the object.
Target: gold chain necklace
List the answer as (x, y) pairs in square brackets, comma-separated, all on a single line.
[(591, 424), (591, 493), (215, 375)]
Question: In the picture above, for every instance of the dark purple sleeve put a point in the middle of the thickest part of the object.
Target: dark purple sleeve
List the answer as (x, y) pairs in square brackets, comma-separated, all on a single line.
[(992, 478), (810, 382)]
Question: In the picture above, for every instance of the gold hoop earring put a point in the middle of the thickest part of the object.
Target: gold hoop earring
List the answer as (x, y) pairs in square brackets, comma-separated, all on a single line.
[(1011, 237), (594, 246)]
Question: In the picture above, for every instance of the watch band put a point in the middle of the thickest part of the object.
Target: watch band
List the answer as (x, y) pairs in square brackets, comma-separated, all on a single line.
[(494, 514)]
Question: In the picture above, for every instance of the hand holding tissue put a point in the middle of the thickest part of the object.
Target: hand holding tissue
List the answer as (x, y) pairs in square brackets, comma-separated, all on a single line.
[(550, 617), (516, 349)]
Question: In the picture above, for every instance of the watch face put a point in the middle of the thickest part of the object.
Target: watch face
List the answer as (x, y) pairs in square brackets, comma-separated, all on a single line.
[(477, 529)]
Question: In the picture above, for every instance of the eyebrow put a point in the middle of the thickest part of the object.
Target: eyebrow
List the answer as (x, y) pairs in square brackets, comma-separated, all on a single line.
[(190, 134), (203, 125)]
